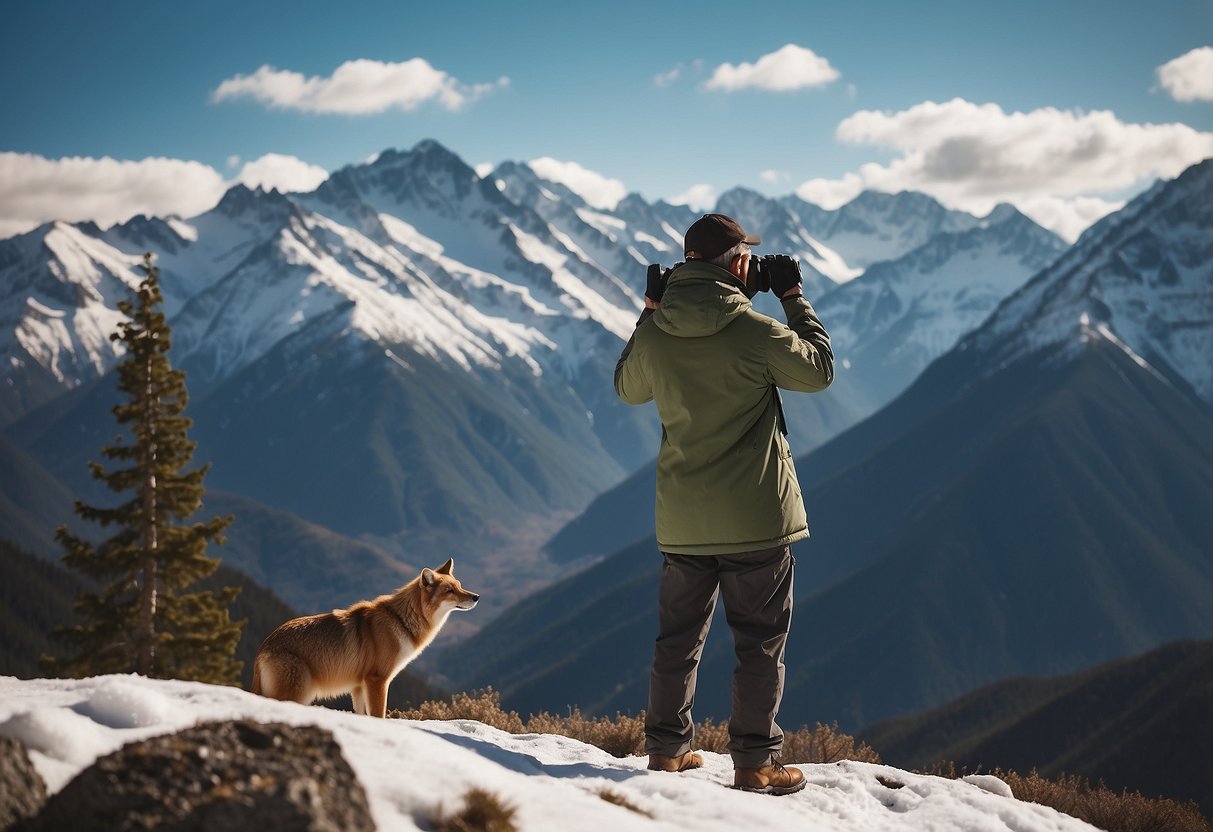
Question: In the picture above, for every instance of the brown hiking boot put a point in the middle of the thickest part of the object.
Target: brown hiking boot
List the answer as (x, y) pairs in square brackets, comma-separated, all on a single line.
[(773, 779), (683, 762)]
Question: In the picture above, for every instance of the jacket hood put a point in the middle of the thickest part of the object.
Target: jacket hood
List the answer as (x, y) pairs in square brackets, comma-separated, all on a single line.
[(700, 299)]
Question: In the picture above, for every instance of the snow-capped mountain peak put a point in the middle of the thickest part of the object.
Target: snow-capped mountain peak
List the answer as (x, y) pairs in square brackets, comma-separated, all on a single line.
[(1001, 212), (1143, 276), (60, 310), (900, 315), (164, 236), (879, 226)]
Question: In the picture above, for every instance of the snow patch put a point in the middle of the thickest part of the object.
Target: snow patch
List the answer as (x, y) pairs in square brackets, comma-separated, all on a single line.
[(402, 232), (580, 298), (1103, 331), (408, 768), (121, 702), (183, 230), (604, 223), (637, 256), (660, 245), (398, 360), (989, 783), (830, 263), (42, 310)]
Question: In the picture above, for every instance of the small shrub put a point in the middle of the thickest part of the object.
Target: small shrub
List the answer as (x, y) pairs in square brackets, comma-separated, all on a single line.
[(482, 812), (622, 736), (619, 800), (823, 744), (482, 706), (712, 736), (1099, 806)]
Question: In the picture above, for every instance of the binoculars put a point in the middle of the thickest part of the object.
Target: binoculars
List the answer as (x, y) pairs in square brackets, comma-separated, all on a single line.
[(771, 270), (762, 269)]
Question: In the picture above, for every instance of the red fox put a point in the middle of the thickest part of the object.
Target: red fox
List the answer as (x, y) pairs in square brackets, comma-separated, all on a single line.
[(358, 650)]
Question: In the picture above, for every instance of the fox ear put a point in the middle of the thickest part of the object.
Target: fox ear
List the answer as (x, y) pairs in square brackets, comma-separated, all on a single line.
[(447, 567), (427, 577)]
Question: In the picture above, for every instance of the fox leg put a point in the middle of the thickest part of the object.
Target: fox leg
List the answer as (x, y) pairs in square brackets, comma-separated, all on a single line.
[(358, 694), (376, 696)]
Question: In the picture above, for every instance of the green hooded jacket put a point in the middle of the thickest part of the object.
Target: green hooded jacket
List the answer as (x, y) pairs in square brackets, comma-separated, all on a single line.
[(725, 478)]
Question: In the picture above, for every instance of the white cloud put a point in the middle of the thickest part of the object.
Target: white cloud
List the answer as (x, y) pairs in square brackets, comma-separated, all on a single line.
[(483, 169), (34, 189), (831, 193), (597, 190), (697, 198), (288, 174), (774, 176), (974, 156), (790, 68), (666, 78), (356, 87), (1190, 76), (233, 161)]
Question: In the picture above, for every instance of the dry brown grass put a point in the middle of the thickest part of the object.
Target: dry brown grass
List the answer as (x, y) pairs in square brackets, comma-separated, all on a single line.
[(482, 706), (619, 800), (823, 744), (623, 734), (1100, 806), (482, 812), (1112, 811)]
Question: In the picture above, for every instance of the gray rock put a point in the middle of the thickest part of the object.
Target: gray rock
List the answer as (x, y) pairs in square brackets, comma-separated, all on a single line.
[(22, 792), (216, 775)]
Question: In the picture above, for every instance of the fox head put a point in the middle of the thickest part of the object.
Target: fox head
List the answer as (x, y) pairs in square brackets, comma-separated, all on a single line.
[(443, 591)]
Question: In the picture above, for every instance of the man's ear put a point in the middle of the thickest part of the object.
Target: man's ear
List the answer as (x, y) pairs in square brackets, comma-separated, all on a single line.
[(427, 578), (446, 568)]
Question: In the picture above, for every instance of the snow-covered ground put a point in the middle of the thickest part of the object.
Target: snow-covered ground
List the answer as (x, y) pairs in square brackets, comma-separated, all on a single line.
[(412, 769)]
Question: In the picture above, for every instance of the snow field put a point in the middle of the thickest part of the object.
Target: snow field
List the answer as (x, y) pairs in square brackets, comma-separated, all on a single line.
[(411, 770)]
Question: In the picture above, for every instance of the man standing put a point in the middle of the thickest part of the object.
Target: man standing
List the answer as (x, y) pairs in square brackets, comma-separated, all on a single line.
[(728, 502)]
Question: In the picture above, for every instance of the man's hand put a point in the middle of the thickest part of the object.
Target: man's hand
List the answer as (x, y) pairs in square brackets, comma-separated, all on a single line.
[(785, 276), (657, 280)]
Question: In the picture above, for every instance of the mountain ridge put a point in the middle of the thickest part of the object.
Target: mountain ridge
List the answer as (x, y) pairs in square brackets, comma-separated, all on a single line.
[(483, 326), (1138, 722), (1036, 515)]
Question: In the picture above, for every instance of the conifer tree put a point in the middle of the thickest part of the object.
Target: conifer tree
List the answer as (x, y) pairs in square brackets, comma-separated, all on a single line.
[(140, 620)]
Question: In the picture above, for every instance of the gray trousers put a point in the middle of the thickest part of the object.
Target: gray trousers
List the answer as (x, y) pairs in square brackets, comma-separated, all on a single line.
[(757, 589)]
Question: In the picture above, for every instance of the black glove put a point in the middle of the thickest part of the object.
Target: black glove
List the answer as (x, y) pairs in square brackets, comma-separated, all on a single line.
[(657, 280), (785, 274)]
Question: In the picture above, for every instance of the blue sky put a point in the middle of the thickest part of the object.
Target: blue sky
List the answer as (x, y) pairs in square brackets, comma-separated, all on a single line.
[(134, 81)]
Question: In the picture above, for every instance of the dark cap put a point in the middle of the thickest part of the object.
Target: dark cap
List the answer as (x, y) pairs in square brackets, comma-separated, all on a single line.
[(712, 235)]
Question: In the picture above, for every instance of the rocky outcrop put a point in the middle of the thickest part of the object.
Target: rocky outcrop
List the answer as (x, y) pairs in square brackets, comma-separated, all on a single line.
[(22, 792), (216, 775)]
